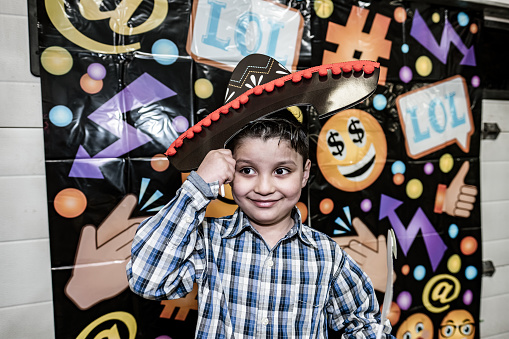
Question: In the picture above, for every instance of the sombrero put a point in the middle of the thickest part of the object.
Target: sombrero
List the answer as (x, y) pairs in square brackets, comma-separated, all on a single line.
[(259, 86)]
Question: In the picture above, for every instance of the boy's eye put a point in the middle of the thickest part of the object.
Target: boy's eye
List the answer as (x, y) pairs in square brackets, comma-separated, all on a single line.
[(246, 170), (281, 171)]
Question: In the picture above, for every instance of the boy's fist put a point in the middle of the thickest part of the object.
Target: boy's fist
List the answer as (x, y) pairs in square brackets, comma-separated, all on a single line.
[(217, 165)]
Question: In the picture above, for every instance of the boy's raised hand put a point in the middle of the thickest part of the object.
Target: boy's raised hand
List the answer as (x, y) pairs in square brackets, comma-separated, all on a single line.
[(217, 165)]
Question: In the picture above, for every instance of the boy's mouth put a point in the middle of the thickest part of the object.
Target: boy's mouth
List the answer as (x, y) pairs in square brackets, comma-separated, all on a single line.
[(264, 203)]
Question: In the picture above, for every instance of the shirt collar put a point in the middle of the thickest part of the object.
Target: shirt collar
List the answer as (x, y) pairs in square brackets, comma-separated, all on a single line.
[(240, 222)]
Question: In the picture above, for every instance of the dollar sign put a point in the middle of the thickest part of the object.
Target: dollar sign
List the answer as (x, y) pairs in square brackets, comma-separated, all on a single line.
[(332, 142), (354, 130)]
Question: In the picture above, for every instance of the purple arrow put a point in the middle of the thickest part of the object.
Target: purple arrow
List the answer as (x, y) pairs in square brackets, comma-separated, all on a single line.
[(435, 246), (423, 35), (110, 116)]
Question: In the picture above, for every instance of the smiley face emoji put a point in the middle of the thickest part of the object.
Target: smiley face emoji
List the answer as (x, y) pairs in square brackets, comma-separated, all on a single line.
[(457, 324), (352, 150), (416, 326)]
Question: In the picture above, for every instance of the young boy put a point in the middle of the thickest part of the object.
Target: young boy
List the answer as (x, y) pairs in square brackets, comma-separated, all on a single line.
[(261, 272)]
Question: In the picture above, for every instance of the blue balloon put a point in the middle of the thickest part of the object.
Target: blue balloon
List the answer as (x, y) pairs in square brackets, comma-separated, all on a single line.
[(60, 116), (398, 167), (379, 102), (405, 48), (470, 272), (419, 272), (463, 19), (453, 231), (165, 51)]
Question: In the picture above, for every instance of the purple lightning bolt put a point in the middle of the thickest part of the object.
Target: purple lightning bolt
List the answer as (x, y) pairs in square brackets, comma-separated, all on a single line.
[(406, 236), (423, 35), (142, 91)]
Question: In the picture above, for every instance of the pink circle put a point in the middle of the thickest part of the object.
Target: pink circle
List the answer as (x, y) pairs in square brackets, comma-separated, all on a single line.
[(428, 168), (96, 71), (476, 81), (468, 297), (366, 205), (404, 300), (180, 124), (405, 74)]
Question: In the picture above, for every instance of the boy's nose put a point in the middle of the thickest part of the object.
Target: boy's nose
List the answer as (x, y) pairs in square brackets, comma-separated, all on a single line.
[(264, 185)]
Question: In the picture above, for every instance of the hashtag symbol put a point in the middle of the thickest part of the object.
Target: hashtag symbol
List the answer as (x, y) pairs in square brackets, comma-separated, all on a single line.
[(185, 304), (351, 39)]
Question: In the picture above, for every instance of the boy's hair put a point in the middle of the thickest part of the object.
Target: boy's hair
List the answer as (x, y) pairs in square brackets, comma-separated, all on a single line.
[(281, 126)]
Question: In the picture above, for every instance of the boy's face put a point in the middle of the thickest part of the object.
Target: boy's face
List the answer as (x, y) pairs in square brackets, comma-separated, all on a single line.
[(269, 176)]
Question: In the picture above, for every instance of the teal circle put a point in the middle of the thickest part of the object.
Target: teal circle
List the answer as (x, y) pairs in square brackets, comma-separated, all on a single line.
[(405, 48), (419, 272), (398, 167), (60, 116), (379, 102), (470, 272), (463, 19), (165, 51), (453, 231)]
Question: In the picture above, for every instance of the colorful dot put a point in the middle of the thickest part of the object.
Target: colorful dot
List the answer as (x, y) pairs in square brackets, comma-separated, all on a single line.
[(96, 71), (405, 74), (468, 245), (379, 102), (60, 116), (398, 179), (297, 113), (446, 163), (475, 81), (203, 88), (165, 51), (405, 269), (470, 272), (323, 8), (405, 48), (463, 19), (56, 60), (454, 263), (70, 203), (366, 205), (423, 66), (400, 14), (468, 297), (404, 300), (435, 17), (180, 124), (414, 188), (159, 163), (394, 313), (90, 85), (453, 231), (303, 210), (326, 206), (428, 168), (474, 28), (398, 167), (419, 272)]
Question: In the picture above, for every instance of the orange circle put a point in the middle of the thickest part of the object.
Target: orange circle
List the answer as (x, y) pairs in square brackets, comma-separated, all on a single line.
[(90, 85), (394, 313), (400, 14), (351, 150), (398, 179), (303, 210), (405, 269), (159, 163), (326, 206), (468, 245), (70, 202), (474, 28)]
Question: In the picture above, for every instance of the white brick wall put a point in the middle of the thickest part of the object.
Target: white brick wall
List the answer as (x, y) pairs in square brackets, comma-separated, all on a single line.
[(26, 309)]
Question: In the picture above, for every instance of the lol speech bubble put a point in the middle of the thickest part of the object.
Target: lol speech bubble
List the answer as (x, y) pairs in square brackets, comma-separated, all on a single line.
[(436, 116)]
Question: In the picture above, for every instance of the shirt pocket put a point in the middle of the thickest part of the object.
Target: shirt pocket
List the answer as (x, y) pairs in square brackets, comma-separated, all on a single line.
[(310, 300)]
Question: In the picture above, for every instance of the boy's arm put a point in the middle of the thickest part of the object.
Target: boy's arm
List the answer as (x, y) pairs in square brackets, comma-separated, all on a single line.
[(167, 252), (353, 304)]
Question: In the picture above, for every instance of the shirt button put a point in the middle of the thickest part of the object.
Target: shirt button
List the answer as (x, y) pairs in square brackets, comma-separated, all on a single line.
[(189, 220), (265, 321), (270, 263)]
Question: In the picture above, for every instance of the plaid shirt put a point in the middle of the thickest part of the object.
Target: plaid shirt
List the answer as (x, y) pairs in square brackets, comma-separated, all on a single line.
[(297, 289)]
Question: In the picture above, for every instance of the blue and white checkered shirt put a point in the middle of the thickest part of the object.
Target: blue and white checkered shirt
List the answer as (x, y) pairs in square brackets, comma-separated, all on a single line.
[(297, 289)]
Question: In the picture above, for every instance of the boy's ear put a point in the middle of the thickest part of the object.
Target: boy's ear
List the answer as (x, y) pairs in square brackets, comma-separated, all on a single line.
[(307, 168)]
